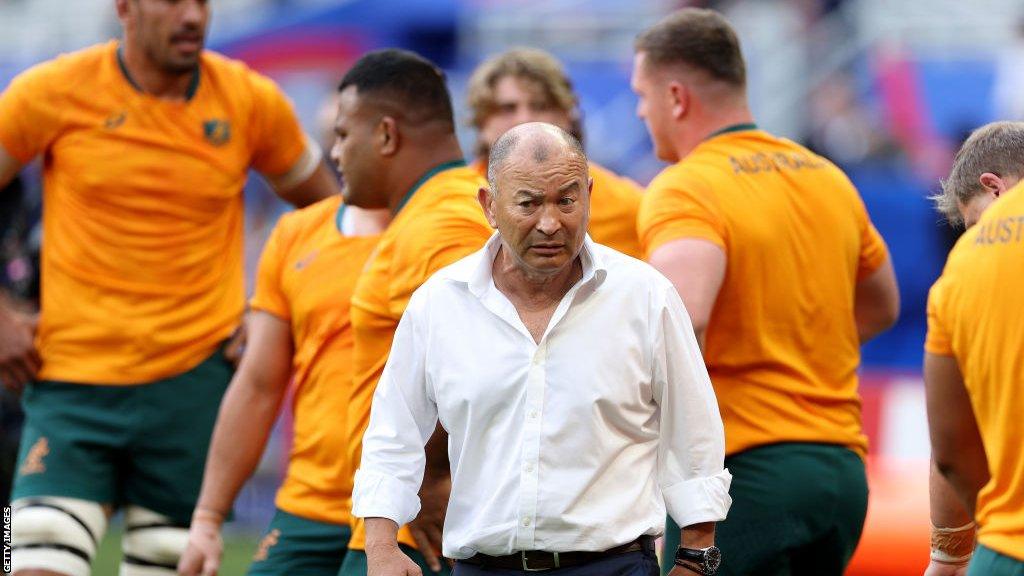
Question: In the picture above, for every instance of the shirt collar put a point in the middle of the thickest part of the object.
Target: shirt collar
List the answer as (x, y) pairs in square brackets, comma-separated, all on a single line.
[(478, 276), (423, 180)]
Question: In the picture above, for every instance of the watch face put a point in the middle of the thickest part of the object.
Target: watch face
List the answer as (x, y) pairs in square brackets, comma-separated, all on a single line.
[(712, 558)]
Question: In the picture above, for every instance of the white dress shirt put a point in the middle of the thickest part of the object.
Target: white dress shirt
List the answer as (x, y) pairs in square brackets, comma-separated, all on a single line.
[(577, 443)]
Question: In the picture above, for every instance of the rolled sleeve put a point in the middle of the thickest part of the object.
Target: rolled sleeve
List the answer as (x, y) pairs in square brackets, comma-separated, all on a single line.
[(377, 495), (699, 499), (691, 449), (402, 419)]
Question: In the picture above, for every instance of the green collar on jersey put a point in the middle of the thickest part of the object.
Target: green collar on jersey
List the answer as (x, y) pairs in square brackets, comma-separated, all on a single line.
[(189, 93), (430, 174), (733, 128)]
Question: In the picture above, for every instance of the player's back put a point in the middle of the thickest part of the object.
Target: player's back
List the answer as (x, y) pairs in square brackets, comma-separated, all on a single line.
[(781, 343), (975, 314)]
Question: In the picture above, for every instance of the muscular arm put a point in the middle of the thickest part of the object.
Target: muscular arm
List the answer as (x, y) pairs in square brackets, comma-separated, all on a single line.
[(696, 268), (247, 412), (876, 302), (957, 450), (309, 180)]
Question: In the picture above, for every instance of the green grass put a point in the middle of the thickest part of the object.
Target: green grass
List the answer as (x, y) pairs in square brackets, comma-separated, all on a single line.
[(238, 551)]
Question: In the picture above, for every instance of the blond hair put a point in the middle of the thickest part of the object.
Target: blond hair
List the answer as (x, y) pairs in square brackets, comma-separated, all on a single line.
[(998, 148)]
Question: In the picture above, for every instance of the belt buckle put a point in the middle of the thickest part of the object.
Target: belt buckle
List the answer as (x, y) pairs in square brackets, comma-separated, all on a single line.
[(526, 567)]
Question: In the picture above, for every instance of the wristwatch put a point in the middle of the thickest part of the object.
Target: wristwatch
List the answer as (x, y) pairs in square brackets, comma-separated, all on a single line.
[(701, 560)]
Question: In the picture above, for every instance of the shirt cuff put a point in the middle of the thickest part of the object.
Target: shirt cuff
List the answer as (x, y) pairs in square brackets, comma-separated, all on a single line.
[(377, 495), (699, 499)]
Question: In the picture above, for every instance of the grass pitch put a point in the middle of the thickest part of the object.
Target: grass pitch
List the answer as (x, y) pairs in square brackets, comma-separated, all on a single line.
[(238, 551)]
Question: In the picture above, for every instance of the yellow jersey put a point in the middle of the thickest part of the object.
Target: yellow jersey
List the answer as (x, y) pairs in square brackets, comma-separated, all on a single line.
[(781, 344), (975, 314), (440, 222), (142, 208), (306, 277)]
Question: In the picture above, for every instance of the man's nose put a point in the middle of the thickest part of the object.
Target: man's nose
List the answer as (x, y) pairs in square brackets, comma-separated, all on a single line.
[(193, 13), (549, 221)]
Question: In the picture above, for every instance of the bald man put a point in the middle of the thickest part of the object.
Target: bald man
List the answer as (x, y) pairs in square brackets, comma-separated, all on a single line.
[(565, 446)]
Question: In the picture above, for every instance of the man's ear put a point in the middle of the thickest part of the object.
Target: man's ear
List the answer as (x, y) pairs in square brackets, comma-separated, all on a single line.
[(679, 94), (486, 199), (122, 9), (993, 184), (388, 138)]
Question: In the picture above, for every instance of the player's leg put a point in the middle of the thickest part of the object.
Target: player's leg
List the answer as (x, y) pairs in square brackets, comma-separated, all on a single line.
[(841, 506), (56, 536), (66, 472), (174, 418), (988, 562), (355, 563), (296, 545)]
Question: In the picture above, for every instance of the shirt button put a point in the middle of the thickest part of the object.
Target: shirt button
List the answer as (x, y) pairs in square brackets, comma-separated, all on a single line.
[(533, 415), (526, 522), (529, 467)]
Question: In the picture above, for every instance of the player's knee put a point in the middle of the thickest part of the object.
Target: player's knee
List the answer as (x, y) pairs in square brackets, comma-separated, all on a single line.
[(54, 535), (152, 543)]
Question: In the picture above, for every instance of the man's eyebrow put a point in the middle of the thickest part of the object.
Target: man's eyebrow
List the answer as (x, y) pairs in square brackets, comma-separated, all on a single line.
[(530, 193), (574, 184)]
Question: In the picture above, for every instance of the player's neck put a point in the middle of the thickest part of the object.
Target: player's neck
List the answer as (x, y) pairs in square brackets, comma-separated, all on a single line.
[(419, 163), (150, 78), (727, 118)]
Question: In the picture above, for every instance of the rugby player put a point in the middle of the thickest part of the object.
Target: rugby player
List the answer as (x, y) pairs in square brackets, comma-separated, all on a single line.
[(990, 162), (299, 329), (147, 142), (396, 148), (784, 277), (530, 85)]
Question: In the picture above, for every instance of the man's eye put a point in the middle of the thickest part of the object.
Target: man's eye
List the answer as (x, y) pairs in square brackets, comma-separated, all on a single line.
[(525, 204), (567, 201)]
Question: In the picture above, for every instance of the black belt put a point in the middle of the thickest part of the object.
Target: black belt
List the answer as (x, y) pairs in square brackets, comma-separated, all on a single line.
[(536, 560)]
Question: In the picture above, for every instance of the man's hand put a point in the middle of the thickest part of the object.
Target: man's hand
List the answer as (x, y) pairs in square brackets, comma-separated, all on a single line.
[(19, 361), (428, 526), (936, 568), (389, 560), (205, 547)]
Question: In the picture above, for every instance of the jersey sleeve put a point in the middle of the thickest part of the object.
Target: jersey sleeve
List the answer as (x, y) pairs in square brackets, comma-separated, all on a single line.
[(938, 340), (278, 139), (269, 293), (441, 240), (676, 209), (30, 113), (873, 250)]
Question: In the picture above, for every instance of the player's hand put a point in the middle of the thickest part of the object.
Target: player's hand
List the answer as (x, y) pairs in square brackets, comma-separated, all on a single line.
[(428, 526), (936, 568), (389, 560), (19, 361), (235, 347), (205, 547)]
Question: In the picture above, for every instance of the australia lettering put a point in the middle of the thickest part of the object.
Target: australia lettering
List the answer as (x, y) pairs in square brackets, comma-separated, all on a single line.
[(1001, 231), (775, 162)]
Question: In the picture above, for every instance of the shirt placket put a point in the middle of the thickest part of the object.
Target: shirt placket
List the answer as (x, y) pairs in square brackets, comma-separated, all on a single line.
[(530, 459)]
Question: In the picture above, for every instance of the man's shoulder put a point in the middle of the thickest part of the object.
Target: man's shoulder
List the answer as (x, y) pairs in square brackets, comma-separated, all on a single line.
[(71, 69), (310, 216), (229, 74)]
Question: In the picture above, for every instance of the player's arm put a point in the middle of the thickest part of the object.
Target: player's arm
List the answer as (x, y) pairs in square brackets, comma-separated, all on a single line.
[(957, 450), (19, 361), (876, 302), (696, 268), (246, 416), (953, 531), (308, 180)]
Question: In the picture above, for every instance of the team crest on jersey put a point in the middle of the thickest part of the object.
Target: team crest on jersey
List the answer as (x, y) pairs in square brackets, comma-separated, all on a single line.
[(217, 132), (33, 463)]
